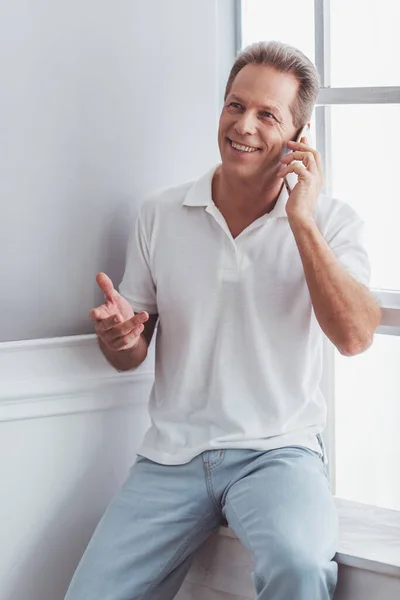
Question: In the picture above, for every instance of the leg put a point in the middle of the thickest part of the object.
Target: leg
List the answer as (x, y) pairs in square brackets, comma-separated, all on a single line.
[(282, 510), (142, 547)]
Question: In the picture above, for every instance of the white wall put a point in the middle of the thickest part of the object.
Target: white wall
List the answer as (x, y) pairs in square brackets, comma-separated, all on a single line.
[(70, 426), (102, 102)]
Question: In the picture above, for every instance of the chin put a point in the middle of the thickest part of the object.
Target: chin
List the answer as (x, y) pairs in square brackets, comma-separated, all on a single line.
[(242, 171)]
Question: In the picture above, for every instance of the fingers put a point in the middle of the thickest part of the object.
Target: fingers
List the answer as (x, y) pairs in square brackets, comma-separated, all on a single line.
[(118, 334), (297, 168), (106, 286), (142, 316), (101, 312), (126, 341), (303, 146), (306, 157), (104, 325), (129, 338), (121, 327)]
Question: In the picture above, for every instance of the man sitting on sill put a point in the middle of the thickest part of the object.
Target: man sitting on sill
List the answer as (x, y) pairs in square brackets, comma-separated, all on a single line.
[(244, 276)]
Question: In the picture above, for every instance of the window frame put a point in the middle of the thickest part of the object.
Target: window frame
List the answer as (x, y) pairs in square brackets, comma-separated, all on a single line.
[(389, 300)]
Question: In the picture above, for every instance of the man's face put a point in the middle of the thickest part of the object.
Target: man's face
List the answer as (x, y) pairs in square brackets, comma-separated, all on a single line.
[(256, 122)]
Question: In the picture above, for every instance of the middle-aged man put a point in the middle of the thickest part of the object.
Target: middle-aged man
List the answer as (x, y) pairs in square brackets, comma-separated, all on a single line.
[(244, 279)]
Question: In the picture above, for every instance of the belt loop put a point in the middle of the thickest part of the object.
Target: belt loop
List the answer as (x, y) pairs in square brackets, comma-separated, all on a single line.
[(323, 449)]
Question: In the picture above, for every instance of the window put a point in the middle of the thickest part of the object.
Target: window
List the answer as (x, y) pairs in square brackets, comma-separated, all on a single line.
[(355, 47)]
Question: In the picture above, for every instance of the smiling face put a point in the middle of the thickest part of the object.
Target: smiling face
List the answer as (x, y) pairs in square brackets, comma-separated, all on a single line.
[(256, 122)]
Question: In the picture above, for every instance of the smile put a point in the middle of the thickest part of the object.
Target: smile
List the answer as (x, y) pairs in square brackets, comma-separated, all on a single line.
[(242, 148)]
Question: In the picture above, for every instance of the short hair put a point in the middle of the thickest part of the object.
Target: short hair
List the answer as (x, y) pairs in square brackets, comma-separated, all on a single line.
[(285, 59)]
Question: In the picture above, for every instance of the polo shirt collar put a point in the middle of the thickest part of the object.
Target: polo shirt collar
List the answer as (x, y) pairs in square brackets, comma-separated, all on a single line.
[(200, 194), (279, 209)]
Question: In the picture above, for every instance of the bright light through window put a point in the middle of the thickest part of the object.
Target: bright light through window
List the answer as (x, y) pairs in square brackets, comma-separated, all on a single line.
[(365, 153), (365, 42), (367, 424), (290, 21), (363, 146)]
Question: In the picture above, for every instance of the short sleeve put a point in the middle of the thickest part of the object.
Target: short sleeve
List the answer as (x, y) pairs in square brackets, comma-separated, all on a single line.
[(137, 285), (347, 243)]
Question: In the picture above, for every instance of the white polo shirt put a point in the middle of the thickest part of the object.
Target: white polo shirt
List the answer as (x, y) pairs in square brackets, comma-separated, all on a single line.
[(238, 347)]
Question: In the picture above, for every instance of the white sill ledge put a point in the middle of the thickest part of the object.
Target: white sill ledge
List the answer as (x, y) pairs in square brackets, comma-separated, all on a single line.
[(369, 537)]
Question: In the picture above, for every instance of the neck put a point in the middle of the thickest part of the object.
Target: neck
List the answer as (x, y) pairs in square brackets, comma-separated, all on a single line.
[(246, 198), (249, 199)]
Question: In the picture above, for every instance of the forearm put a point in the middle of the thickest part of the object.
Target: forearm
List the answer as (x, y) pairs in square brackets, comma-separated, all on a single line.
[(124, 360), (346, 310)]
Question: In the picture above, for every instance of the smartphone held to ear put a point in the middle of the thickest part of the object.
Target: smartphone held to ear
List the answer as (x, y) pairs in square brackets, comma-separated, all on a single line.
[(291, 178)]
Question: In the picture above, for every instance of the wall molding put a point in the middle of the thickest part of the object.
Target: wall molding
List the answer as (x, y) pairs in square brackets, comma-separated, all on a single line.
[(58, 376)]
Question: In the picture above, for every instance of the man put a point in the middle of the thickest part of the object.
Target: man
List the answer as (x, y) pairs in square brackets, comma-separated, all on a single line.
[(243, 280)]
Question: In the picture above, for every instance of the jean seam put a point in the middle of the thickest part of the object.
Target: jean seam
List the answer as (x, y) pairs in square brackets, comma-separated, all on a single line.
[(249, 545), (171, 564), (210, 490), (219, 460)]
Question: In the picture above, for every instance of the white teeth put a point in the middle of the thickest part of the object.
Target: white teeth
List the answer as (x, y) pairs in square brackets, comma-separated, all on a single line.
[(243, 148)]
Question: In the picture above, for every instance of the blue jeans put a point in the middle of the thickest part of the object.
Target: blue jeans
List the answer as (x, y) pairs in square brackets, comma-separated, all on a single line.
[(277, 502)]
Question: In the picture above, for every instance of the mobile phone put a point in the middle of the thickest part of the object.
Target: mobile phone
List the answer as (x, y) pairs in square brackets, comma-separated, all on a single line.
[(291, 178)]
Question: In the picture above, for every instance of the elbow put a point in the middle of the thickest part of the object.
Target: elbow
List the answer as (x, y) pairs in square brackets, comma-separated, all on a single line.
[(355, 345), (361, 338)]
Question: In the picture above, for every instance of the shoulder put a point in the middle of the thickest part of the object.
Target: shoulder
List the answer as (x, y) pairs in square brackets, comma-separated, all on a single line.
[(159, 207), (164, 199), (332, 215)]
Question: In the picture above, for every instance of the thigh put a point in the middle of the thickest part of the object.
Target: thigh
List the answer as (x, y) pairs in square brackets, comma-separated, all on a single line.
[(280, 505), (147, 535)]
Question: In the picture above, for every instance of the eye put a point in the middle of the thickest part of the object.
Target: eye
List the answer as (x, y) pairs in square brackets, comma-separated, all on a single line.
[(268, 115), (236, 105)]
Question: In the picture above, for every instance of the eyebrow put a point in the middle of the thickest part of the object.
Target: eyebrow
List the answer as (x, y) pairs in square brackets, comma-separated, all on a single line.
[(267, 107)]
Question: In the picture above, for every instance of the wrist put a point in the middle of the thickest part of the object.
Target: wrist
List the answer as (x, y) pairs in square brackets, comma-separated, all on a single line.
[(125, 359), (301, 222)]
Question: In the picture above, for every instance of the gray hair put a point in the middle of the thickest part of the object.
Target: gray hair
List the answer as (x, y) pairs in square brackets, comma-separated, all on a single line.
[(286, 59)]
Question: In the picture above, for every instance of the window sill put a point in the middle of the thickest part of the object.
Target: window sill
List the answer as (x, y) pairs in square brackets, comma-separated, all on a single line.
[(369, 537)]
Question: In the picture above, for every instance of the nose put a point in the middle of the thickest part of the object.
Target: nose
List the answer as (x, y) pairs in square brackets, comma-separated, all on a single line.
[(246, 124)]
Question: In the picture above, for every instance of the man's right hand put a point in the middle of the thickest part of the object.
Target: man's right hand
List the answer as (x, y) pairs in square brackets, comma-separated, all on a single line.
[(115, 322)]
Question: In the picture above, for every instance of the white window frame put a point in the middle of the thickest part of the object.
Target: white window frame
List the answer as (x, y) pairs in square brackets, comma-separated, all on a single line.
[(331, 96)]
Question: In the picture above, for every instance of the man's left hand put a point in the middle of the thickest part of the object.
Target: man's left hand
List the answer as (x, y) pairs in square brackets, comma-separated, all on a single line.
[(303, 197)]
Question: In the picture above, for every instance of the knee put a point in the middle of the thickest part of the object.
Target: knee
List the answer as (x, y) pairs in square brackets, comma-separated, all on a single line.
[(303, 568), (293, 562)]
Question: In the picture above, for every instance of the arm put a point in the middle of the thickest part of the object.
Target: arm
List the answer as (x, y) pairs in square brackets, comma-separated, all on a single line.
[(345, 309)]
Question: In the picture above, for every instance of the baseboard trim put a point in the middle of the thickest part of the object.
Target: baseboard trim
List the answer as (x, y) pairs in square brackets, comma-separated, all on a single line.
[(58, 376)]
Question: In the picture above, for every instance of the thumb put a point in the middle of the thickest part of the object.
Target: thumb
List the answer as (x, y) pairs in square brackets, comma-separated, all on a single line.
[(106, 286), (142, 316)]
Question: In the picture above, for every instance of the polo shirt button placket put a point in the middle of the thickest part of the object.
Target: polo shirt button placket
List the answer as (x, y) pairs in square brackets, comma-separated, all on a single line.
[(231, 263)]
